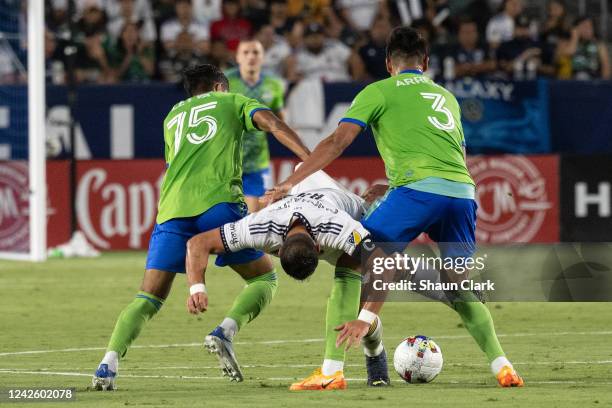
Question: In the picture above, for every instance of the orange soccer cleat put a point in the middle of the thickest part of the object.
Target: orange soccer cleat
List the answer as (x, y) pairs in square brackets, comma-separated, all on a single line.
[(508, 377), (319, 382)]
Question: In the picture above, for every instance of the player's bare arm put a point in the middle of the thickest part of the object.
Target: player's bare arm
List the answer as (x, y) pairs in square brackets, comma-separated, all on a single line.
[(269, 122), (325, 152), (198, 250)]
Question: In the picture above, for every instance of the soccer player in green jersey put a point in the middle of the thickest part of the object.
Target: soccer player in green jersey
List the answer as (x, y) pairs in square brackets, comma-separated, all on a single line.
[(249, 80), (201, 190), (417, 129)]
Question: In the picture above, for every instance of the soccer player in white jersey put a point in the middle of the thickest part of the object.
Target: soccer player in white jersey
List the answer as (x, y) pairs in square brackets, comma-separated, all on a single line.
[(319, 220)]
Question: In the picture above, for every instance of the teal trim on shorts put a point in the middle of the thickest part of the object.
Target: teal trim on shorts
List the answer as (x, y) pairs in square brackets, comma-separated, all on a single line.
[(436, 185)]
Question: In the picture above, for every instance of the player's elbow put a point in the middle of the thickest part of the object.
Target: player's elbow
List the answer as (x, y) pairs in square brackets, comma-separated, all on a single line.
[(198, 245)]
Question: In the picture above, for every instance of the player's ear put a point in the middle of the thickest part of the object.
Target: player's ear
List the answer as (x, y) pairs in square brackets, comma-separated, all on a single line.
[(425, 63), (389, 66), (219, 87)]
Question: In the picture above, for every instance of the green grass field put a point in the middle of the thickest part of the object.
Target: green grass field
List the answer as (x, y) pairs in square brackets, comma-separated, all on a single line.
[(56, 318)]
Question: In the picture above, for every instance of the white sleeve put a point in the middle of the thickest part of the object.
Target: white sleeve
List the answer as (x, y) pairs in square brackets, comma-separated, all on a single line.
[(263, 230), (148, 31), (235, 236), (342, 52), (168, 31), (493, 33), (200, 32)]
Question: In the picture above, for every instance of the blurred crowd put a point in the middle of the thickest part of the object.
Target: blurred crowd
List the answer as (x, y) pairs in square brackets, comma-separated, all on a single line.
[(336, 40)]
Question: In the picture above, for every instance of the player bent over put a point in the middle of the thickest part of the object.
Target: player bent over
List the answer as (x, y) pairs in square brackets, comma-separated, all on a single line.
[(201, 190), (418, 132), (318, 223)]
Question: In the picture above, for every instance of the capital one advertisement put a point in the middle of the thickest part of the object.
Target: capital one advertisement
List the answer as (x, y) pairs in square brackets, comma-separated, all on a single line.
[(116, 200)]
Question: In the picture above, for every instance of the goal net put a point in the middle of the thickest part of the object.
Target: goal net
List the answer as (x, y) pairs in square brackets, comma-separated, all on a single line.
[(22, 131)]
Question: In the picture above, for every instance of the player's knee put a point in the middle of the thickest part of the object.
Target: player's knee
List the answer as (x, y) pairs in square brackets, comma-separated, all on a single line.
[(299, 256), (193, 243)]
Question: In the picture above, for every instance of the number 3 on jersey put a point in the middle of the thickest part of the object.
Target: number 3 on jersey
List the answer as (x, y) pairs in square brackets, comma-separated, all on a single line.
[(438, 106), (195, 120)]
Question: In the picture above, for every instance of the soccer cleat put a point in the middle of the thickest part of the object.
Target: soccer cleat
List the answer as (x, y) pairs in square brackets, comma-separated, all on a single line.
[(216, 343), (103, 379), (319, 382), (378, 373), (508, 377)]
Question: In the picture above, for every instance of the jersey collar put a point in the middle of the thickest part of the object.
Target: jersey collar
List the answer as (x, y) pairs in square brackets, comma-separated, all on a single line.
[(261, 77), (412, 71)]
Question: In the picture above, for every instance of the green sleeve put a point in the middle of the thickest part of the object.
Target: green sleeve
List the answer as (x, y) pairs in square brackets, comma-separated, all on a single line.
[(246, 109), (166, 143), (366, 107), (278, 103)]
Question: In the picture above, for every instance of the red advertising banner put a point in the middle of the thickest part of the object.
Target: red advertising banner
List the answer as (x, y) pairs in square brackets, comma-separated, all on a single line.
[(116, 200), (518, 198), (14, 193)]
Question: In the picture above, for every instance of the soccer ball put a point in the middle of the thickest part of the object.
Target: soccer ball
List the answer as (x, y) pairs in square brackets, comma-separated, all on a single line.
[(418, 359)]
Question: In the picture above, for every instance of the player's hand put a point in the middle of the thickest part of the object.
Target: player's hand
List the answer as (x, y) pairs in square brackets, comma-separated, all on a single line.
[(198, 302), (351, 332), (276, 193), (374, 192)]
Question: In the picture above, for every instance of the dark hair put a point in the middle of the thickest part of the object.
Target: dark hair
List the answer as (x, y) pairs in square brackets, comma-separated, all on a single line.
[(465, 20), (581, 19), (203, 78), (406, 42), (299, 256)]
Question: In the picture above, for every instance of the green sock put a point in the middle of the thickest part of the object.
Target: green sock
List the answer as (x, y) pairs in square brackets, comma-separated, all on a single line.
[(478, 321), (254, 298), (342, 306), (131, 321)]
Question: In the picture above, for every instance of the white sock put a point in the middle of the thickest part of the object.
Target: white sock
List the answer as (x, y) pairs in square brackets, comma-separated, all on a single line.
[(112, 359), (331, 366), (372, 343), (499, 363), (230, 328)]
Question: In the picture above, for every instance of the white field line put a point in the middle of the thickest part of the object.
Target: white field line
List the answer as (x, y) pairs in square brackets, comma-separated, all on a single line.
[(195, 377), (313, 365), (290, 341)]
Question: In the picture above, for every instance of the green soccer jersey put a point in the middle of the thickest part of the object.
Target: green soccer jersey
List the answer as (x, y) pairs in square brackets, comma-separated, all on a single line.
[(203, 141), (417, 128), (270, 91)]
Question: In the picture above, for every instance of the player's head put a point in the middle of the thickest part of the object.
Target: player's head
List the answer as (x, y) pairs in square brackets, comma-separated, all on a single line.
[(406, 48), (299, 255), (250, 55), (204, 78)]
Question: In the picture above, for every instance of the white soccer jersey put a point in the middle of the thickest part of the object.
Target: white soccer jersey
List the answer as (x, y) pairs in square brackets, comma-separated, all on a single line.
[(329, 214)]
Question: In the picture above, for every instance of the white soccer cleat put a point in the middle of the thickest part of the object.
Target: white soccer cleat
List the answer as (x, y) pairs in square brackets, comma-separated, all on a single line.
[(104, 379), (216, 343)]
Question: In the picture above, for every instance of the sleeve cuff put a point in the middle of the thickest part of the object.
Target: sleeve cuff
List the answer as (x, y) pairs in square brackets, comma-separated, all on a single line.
[(355, 121), (257, 110)]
